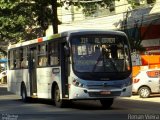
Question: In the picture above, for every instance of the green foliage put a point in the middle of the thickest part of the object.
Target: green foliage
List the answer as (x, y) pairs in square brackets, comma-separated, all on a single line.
[(151, 1), (135, 4), (134, 33), (90, 7), (25, 19)]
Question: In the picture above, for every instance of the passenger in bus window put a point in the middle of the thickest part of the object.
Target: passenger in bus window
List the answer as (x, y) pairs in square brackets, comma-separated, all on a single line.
[(114, 51), (17, 63), (106, 51), (24, 63), (40, 61), (43, 61), (97, 48), (11, 64)]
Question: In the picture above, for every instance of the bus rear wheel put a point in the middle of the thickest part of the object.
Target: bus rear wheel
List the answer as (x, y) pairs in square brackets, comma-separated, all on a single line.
[(107, 103), (58, 102), (24, 94)]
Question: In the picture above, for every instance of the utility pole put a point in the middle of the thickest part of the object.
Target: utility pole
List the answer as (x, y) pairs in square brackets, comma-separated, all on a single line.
[(54, 16)]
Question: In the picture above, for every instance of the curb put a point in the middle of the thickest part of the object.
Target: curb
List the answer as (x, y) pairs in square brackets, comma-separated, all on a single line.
[(3, 85), (152, 98)]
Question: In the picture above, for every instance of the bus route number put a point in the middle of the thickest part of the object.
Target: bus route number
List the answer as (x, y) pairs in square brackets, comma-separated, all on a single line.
[(84, 40)]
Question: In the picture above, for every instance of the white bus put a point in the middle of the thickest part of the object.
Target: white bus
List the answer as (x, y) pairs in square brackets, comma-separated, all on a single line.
[(73, 65)]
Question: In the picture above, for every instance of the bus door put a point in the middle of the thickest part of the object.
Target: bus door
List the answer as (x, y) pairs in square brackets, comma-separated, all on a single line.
[(64, 70), (32, 71)]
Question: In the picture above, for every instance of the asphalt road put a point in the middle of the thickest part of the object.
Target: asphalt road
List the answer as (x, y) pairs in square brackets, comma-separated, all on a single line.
[(12, 108)]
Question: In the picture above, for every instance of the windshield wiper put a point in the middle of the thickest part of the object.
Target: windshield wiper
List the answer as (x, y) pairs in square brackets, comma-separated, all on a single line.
[(114, 66), (99, 58)]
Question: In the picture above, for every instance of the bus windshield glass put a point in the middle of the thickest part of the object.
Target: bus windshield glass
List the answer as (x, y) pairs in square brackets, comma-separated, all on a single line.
[(100, 53)]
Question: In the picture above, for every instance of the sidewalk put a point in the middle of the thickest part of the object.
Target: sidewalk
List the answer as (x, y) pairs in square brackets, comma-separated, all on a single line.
[(3, 85), (4, 92), (152, 98)]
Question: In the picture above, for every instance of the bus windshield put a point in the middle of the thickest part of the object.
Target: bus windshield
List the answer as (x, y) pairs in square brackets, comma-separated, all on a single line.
[(100, 53)]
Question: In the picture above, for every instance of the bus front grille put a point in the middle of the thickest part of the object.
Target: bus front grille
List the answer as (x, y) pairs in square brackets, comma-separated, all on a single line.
[(104, 87), (98, 94)]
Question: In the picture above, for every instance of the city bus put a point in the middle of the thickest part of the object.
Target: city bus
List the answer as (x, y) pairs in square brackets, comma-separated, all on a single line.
[(72, 65)]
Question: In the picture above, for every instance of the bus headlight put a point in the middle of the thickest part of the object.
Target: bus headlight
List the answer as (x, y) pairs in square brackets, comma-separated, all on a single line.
[(77, 83)]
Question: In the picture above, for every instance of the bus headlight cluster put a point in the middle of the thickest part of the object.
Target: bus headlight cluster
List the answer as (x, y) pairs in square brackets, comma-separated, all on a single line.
[(77, 83), (128, 82)]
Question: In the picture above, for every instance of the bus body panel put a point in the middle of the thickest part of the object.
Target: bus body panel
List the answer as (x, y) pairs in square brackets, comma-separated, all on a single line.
[(45, 78), (15, 79), (127, 92)]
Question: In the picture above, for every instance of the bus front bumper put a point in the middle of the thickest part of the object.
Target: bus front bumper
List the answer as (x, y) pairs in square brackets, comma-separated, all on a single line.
[(83, 93)]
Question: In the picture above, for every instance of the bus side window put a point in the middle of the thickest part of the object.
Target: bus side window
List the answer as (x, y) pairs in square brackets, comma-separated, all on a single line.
[(17, 58), (11, 60), (14, 59), (24, 61), (54, 60), (42, 55), (42, 61), (53, 53)]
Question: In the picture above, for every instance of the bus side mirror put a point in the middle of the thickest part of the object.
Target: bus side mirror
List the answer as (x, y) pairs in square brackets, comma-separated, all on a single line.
[(67, 51)]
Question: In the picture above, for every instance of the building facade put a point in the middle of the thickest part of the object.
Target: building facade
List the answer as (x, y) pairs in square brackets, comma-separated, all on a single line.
[(142, 23)]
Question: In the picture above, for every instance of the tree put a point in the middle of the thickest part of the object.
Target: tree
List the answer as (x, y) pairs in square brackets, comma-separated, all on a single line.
[(19, 18), (90, 7), (29, 19), (135, 3), (133, 29), (55, 20), (133, 32)]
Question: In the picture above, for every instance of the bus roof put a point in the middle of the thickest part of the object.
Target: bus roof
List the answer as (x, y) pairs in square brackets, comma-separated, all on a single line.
[(38, 40), (63, 34), (89, 31)]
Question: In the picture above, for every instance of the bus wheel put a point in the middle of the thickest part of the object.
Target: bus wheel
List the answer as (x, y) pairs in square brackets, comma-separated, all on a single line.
[(57, 100), (106, 103), (24, 94), (144, 92)]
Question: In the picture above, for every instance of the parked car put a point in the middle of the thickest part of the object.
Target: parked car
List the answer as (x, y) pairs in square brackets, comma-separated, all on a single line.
[(146, 82), (3, 77)]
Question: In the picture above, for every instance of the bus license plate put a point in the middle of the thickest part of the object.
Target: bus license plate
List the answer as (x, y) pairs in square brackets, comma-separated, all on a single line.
[(105, 92)]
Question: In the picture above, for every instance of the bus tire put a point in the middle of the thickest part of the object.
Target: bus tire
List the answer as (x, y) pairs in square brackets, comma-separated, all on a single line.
[(58, 102), (24, 94), (106, 103)]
